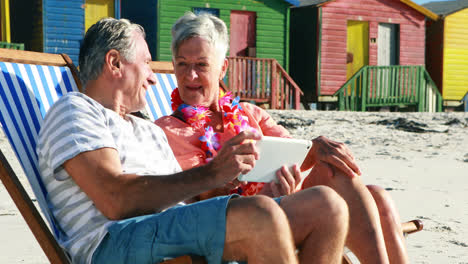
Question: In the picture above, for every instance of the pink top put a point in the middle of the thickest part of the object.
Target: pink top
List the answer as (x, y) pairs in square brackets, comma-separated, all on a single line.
[(186, 146)]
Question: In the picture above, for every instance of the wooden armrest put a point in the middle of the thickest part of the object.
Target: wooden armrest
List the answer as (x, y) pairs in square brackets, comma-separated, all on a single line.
[(412, 226)]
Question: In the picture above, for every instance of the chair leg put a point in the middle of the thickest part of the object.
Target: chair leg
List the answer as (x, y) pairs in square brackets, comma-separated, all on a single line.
[(346, 260), (179, 260), (186, 260)]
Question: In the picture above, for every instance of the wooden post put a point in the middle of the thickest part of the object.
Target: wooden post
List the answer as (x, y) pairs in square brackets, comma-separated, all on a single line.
[(421, 89), (364, 89), (297, 99), (274, 77), (264, 94)]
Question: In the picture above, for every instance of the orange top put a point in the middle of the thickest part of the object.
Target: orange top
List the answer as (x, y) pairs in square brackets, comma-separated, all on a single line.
[(186, 146)]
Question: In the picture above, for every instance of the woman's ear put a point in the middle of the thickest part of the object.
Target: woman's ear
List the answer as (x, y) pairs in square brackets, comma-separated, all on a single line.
[(113, 62), (224, 69)]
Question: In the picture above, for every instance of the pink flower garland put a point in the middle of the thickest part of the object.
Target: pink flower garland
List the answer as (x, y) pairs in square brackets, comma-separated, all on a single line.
[(197, 116)]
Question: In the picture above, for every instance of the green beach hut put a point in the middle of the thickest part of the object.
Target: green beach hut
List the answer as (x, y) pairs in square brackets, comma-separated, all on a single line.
[(257, 28)]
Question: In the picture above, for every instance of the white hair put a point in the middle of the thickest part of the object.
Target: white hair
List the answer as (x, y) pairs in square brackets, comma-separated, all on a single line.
[(106, 34), (204, 25)]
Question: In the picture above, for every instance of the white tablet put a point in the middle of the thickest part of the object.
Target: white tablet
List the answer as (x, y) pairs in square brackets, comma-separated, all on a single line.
[(274, 153)]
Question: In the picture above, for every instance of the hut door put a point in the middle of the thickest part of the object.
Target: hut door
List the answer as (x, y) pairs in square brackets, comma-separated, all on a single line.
[(243, 34), (97, 9), (387, 44), (357, 49)]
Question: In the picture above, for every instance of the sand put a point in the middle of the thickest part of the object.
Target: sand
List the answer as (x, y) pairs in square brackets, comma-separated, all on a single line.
[(420, 158)]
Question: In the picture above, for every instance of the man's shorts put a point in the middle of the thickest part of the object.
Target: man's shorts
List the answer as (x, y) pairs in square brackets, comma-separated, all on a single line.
[(194, 229)]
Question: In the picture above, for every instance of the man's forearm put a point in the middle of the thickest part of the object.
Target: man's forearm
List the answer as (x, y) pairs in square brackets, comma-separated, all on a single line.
[(153, 193)]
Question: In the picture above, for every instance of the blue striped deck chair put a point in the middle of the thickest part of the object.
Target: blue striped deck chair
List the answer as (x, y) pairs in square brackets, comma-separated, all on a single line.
[(30, 83), (158, 97)]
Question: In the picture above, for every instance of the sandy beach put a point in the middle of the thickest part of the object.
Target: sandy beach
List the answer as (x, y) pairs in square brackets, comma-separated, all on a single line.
[(420, 158)]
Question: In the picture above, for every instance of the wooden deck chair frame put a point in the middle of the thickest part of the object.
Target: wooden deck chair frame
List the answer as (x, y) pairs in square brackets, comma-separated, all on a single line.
[(33, 218)]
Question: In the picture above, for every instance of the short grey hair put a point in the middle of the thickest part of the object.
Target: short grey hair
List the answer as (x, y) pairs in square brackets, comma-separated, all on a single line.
[(204, 25), (105, 35)]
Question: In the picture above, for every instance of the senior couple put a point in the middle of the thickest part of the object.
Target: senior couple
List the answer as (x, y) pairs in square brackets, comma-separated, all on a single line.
[(124, 190)]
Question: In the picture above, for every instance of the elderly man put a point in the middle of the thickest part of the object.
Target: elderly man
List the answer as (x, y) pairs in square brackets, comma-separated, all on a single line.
[(116, 189)]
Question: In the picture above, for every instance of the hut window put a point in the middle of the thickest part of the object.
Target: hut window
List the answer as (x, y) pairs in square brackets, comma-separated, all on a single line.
[(199, 10)]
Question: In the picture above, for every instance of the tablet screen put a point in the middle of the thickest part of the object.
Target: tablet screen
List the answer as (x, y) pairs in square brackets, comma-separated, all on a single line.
[(274, 153)]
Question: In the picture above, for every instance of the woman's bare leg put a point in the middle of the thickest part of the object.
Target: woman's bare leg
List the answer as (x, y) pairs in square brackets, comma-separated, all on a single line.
[(391, 225)]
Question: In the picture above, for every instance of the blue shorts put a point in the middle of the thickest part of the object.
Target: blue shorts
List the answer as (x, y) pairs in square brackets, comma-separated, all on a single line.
[(194, 229)]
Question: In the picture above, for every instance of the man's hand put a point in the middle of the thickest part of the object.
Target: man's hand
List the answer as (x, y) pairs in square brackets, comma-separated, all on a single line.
[(334, 153), (237, 156)]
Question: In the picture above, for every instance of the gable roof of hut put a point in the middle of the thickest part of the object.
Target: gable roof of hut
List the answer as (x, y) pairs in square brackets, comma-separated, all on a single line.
[(421, 9), (444, 8)]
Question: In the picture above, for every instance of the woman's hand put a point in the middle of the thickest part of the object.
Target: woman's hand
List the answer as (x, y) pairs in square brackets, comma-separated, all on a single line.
[(336, 154), (289, 181)]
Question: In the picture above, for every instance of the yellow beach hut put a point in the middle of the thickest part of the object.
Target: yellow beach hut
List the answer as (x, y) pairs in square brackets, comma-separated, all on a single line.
[(447, 49), (5, 20)]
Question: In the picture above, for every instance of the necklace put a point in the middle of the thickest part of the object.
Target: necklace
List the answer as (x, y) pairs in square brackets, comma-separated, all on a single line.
[(197, 116)]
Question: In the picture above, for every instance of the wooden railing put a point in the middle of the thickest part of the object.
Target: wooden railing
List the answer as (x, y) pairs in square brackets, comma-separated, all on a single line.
[(262, 81), (377, 86), (8, 45)]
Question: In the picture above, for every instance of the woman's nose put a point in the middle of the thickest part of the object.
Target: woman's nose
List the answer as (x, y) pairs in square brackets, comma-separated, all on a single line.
[(192, 72)]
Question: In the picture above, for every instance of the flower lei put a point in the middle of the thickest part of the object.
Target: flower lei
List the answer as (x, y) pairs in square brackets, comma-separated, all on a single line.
[(197, 116)]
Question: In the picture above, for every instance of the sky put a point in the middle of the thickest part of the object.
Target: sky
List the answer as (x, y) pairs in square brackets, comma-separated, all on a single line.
[(420, 2)]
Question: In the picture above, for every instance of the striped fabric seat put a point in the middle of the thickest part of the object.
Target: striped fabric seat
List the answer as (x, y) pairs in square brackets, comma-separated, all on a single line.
[(27, 92), (158, 97)]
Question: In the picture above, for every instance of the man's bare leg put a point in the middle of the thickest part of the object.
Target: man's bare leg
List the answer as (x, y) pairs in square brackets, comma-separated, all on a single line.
[(257, 231), (319, 222), (365, 238), (391, 225)]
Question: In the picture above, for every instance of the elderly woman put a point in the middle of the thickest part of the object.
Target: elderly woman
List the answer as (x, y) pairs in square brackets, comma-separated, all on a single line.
[(205, 117)]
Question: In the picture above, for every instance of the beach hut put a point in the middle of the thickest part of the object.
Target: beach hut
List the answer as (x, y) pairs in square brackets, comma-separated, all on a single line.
[(259, 43), (257, 28), (5, 20), (57, 26), (5, 32), (332, 40), (447, 49)]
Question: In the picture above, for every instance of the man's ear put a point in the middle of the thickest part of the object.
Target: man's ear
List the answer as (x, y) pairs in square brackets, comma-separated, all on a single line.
[(113, 62)]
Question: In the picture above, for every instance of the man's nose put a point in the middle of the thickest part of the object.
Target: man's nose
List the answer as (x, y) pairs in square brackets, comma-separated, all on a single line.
[(152, 78)]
